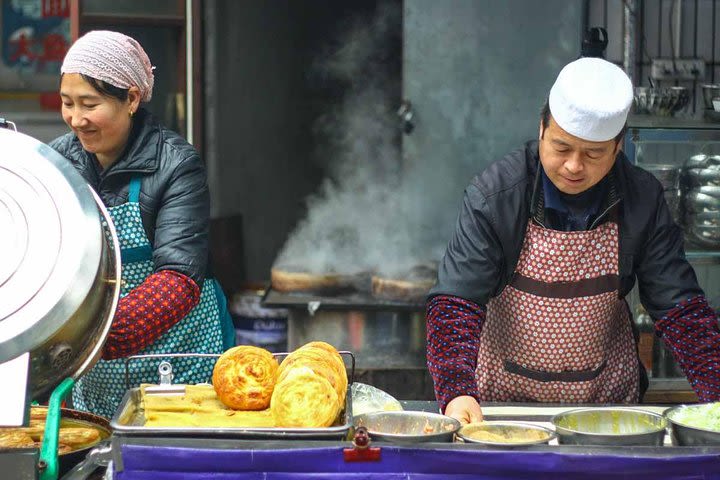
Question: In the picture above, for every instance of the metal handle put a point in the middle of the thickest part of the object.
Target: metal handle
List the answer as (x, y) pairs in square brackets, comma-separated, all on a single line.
[(7, 124), (99, 456), (406, 114)]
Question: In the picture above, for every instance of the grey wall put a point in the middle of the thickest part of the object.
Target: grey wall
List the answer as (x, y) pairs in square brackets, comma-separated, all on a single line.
[(259, 144), (477, 73), (260, 109)]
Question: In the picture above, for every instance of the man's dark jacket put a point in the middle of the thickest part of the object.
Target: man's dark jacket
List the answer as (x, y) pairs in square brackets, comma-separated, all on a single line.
[(174, 198), (484, 250)]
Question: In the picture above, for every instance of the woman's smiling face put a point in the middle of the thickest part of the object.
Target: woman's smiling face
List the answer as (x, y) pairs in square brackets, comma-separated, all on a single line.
[(102, 123)]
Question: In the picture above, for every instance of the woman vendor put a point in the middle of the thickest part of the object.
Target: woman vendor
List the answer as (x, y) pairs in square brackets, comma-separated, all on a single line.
[(154, 185)]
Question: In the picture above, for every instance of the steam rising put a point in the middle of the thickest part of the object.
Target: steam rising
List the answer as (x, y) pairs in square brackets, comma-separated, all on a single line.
[(369, 213)]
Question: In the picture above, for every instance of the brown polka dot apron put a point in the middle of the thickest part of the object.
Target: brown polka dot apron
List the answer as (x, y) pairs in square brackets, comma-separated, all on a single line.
[(559, 332)]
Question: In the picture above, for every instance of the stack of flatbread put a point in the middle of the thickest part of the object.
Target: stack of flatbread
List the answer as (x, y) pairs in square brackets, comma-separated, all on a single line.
[(250, 389), (311, 387)]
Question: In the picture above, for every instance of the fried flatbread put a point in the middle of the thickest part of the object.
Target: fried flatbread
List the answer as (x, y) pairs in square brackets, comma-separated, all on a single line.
[(244, 377)]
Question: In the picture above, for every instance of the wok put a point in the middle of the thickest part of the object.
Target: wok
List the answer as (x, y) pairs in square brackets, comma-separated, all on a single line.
[(76, 418)]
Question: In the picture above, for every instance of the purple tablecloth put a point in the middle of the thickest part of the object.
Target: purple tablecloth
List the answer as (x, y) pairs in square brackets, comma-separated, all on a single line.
[(142, 462)]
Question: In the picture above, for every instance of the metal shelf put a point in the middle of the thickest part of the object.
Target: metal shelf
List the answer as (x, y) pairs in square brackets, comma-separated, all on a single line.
[(705, 257), (670, 123)]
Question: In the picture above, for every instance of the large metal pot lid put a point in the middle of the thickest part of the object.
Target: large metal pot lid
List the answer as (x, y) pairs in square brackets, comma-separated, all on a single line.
[(50, 242)]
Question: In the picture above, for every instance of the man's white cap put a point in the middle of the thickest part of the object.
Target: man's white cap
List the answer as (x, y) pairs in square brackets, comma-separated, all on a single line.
[(591, 99)]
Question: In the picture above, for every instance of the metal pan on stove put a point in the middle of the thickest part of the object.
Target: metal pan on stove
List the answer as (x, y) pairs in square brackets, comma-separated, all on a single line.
[(68, 419)]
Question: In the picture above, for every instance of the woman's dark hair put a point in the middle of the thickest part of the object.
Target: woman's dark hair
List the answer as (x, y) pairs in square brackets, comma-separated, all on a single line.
[(545, 116), (105, 88)]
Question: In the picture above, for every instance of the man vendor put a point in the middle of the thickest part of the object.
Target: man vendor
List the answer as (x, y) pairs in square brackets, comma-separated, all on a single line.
[(530, 305)]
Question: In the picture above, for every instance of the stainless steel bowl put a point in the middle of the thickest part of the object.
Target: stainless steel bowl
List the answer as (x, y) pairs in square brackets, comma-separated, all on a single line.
[(661, 101), (708, 235), (689, 435), (697, 177), (506, 434), (610, 426), (699, 160), (408, 426), (705, 219), (712, 190), (696, 201), (710, 91)]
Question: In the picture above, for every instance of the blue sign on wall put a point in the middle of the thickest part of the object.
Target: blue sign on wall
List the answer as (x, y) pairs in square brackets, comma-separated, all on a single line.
[(35, 34)]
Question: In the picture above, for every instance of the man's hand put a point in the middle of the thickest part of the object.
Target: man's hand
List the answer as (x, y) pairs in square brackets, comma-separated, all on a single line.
[(464, 408)]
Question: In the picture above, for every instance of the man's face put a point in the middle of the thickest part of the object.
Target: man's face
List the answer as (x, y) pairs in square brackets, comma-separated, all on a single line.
[(572, 164)]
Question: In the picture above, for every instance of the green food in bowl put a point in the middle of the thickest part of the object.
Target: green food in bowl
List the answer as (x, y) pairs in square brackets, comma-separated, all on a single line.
[(619, 422), (705, 416)]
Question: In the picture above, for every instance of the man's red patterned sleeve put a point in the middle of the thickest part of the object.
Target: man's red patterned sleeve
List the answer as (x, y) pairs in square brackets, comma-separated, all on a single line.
[(690, 331), (148, 311), (453, 338)]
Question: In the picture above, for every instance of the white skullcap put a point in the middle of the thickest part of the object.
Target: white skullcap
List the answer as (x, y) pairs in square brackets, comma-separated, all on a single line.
[(591, 99)]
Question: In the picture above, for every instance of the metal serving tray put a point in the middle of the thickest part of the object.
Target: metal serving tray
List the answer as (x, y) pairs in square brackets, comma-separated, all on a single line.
[(129, 419)]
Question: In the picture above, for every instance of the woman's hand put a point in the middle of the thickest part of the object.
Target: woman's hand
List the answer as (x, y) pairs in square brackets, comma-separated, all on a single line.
[(464, 408)]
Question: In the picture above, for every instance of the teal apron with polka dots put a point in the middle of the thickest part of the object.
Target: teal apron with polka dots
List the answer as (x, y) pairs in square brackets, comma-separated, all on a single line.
[(206, 329)]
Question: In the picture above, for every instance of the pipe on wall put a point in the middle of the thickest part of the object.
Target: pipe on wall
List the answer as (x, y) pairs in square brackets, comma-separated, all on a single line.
[(630, 9)]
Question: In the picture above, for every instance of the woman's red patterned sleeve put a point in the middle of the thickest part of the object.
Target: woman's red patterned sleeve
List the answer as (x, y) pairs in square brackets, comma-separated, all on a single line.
[(148, 311), (690, 330), (453, 338)]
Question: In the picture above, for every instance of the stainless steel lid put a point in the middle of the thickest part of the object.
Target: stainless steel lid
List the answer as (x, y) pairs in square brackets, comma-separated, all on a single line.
[(51, 243)]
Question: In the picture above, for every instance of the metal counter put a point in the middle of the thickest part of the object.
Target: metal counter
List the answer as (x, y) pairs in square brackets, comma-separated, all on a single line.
[(173, 458)]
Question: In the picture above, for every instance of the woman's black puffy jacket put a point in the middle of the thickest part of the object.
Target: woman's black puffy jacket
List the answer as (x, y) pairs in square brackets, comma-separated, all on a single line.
[(174, 198)]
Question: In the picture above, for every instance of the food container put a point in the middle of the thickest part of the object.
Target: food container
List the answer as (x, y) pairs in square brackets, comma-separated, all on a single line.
[(256, 325), (408, 427), (613, 426), (129, 422), (505, 434), (687, 432)]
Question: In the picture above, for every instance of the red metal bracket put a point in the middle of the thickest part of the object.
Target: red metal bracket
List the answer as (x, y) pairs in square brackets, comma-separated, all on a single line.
[(361, 451)]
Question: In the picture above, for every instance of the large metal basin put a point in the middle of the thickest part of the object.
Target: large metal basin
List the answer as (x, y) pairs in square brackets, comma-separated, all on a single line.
[(614, 426), (408, 426), (685, 433)]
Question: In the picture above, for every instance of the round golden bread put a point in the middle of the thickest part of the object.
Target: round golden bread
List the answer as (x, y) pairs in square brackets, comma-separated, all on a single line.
[(304, 399), (244, 377), (324, 360), (321, 368)]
